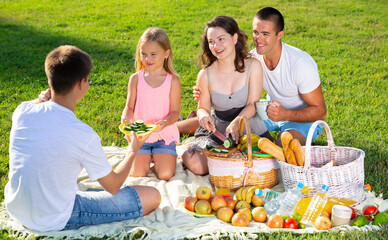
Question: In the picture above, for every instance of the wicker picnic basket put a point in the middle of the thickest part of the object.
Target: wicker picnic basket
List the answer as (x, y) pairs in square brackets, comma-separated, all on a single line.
[(345, 179), (241, 169)]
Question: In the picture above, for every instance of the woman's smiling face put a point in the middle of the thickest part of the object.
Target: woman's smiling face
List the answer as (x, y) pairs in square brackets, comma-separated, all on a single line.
[(221, 43)]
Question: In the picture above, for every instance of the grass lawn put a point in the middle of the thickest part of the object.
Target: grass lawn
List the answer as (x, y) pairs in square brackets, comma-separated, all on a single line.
[(347, 39)]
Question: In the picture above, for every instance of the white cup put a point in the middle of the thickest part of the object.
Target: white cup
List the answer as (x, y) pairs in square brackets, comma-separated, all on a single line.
[(261, 109), (340, 215)]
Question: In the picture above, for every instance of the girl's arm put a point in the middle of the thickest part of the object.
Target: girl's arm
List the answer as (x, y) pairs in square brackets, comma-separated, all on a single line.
[(204, 102), (131, 98), (175, 104), (255, 83)]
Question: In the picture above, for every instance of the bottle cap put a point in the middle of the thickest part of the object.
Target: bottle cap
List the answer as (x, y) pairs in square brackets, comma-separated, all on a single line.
[(305, 189), (325, 187), (368, 187), (258, 192), (299, 185)]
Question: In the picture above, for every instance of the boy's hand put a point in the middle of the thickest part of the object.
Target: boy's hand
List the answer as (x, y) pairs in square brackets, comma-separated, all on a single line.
[(136, 142), (45, 95)]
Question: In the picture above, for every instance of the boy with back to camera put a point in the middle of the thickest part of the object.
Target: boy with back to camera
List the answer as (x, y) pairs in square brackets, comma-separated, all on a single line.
[(49, 146)]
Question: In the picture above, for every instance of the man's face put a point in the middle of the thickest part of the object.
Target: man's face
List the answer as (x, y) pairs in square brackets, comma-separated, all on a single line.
[(264, 36)]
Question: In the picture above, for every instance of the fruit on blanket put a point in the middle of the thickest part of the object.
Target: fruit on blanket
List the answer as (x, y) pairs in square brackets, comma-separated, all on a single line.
[(225, 214), (259, 214), (322, 223), (240, 220), (247, 211), (250, 192), (290, 223), (353, 214), (257, 201), (189, 203), (222, 191), (241, 204), (381, 219), (370, 212), (203, 193), (275, 221), (325, 214), (230, 203), (360, 221), (202, 207), (218, 202), (271, 148)]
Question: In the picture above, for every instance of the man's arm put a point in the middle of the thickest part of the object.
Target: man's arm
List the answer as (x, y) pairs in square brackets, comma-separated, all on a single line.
[(115, 179), (316, 109)]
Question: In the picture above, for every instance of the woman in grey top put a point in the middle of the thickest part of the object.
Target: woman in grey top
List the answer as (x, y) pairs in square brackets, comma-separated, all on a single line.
[(230, 81)]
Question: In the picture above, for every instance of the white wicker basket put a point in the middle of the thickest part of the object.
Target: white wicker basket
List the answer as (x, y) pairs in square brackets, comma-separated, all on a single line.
[(345, 178)]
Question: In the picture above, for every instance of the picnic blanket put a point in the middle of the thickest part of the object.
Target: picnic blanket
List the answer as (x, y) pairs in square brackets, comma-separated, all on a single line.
[(170, 220)]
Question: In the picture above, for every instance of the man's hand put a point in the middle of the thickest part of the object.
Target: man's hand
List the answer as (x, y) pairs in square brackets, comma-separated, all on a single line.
[(45, 95), (276, 112), (196, 93)]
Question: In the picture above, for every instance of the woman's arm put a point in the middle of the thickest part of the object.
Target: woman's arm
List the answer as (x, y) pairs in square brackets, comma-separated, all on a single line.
[(255, 83), (131, 98), (204, 102), (175, 104)]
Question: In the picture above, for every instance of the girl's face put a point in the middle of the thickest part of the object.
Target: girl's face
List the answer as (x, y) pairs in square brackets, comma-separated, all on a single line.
[(221, 43), (152, 55)]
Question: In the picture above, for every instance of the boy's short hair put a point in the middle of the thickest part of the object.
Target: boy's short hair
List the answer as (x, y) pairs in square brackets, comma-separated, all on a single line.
[(65, 66)]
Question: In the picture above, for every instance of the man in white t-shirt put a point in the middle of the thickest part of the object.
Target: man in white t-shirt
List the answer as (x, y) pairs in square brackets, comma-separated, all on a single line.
[(49, 146), (290, 78)]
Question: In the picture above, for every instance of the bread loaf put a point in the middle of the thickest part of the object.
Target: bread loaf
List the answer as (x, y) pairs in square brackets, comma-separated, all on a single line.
[(271, 148), (298, 151)]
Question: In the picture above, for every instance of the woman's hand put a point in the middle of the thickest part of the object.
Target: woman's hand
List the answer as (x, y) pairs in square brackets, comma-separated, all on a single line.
[(232, 130), (126, 116), (207, 122), (196, 93)]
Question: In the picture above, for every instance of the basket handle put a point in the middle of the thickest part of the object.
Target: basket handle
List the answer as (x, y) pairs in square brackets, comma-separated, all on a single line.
[(330, 141), (244, 121)]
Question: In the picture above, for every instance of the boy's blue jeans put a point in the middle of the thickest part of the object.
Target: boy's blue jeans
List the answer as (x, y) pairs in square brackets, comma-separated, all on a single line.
[(97, 207)]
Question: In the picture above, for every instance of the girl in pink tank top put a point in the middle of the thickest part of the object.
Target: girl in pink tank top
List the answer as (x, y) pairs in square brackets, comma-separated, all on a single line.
[(154, 96)]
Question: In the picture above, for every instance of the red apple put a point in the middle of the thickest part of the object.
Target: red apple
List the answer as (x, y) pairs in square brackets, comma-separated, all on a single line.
[(275, 221), (241, 204), (247, 211), (322, 223), (230, 203), (259, 214), (218, 202), (240, 220), (189, 203), (202, 207), (353, 213), (203, 193), (225, 214)]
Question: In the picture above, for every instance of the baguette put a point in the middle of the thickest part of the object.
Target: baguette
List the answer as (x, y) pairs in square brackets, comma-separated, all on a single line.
[(298, 151), (271, 148), (286, 138), (290, 156)]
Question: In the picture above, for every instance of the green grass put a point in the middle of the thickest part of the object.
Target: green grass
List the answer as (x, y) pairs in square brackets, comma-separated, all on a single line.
[(347, 39)]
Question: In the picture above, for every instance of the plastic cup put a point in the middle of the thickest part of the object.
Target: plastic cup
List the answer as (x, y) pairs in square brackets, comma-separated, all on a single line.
[(261, 109), (340, 215)]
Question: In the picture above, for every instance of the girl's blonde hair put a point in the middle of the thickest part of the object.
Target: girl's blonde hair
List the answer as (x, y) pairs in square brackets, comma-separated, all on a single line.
[(160, 37)]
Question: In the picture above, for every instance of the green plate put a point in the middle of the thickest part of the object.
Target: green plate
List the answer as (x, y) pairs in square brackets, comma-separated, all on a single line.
[(256, 152)]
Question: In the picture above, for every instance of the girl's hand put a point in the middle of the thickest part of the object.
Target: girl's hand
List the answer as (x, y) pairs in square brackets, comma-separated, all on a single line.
[(232, 130), (45, 95), (207, 123), (126, 116), (196, 93), (161, 124)]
